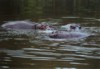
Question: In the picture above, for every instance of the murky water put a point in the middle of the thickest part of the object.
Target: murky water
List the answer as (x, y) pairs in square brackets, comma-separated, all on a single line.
[(23, 49)]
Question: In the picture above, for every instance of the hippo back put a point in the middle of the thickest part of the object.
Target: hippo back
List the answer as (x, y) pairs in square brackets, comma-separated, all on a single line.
[(18, 25)]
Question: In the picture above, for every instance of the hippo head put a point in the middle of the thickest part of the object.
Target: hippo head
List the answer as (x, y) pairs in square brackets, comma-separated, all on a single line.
[(71, 27), (75, 27)]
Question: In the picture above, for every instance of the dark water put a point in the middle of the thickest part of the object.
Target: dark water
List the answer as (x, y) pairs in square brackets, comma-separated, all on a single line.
[(23, 49)]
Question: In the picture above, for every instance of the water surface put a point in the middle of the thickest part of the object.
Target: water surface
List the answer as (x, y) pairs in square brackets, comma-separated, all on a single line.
[(24, 49)]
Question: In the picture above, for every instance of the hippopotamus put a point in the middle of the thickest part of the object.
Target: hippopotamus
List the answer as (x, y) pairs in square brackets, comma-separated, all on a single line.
[(25, 25), (65, 35), (71, 27), (69, 31), (18, 25)]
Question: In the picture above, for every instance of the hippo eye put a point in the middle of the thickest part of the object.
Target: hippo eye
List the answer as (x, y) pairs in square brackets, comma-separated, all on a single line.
[(79, 27)]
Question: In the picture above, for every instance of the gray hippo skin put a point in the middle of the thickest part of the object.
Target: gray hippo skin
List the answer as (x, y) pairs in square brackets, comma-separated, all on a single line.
[(24, 25), (18, 25), (64, 35)]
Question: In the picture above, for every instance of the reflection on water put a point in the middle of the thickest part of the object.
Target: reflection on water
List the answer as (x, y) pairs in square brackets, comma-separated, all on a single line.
[(22, 49)]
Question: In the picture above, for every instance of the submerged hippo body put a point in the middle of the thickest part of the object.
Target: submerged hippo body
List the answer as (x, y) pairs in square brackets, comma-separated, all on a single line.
[(18, 25), (40, 27), (24, 25), (69, 31), (65, 35)]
